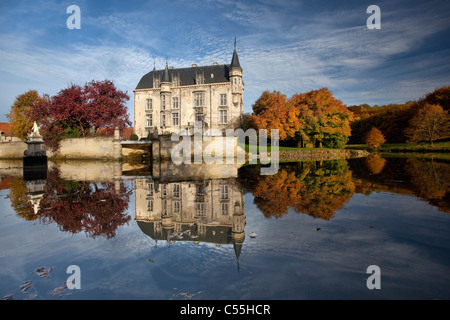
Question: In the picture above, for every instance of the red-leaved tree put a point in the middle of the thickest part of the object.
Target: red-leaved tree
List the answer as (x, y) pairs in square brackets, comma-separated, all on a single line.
[(79, 111)]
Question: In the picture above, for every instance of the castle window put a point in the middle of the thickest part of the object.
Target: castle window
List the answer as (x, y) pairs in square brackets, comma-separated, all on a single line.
[(149, 120), (176, 191), (175, 80), (198, 117), (200, 209), (156, 82), (176, 206), (175, 103), (224, 208), (164, 102), (223, 192), (149, 205), (175, 121), (149, 104), (223, 100), (199, 78), (223, 116), (199, 99), (150, 189)]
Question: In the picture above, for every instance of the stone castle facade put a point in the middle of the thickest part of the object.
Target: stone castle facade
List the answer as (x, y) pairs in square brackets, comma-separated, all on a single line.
[(174, 99)]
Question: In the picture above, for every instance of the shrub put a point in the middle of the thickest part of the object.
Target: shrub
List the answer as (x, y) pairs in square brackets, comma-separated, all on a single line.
[(134, 137)]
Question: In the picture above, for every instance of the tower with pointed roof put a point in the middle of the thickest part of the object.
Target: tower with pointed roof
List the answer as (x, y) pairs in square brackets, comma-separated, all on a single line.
[(237, 89), (173, 99)]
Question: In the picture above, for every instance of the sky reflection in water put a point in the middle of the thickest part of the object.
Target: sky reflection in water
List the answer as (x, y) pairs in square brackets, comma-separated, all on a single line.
[(318, 226)]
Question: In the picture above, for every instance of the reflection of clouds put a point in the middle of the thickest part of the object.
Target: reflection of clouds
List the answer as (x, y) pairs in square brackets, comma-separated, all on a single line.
[(408, 241)]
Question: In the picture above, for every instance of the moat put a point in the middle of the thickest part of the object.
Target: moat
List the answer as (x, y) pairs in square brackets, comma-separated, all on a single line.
[(310, 231)]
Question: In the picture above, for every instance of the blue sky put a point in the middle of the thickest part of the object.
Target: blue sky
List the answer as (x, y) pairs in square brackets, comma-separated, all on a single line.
[(290, 45)]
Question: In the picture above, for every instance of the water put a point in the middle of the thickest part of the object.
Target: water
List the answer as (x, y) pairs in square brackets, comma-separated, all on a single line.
[(308, 232)]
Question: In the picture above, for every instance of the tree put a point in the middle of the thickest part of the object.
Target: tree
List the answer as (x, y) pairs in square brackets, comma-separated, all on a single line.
[(374, 138), (325, 120), (272, 112), (19, 117), (440, 96), (429, 123), (80, 110)]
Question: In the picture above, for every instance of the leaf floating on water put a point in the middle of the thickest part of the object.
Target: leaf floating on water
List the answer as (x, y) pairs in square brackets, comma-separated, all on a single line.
[(59, 289), (42, 272), (9, 296), (187, 296), (151, 260), (26, 285)]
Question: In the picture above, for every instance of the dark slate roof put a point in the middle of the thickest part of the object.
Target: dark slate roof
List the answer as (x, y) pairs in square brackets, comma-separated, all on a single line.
[(166, 77), (235, 60), (187, 76)]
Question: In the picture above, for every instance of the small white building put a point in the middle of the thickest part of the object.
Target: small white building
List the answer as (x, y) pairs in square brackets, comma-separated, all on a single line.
[(174, 99)]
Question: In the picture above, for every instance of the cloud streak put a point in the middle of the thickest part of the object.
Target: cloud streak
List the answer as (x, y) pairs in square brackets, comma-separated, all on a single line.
[(291, 46)]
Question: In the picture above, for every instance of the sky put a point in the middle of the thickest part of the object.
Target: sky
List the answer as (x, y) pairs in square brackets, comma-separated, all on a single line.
[(291, 46)]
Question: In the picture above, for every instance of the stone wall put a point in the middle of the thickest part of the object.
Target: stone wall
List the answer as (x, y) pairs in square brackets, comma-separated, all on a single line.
[(12, 150), (316, 155), (85, 148)]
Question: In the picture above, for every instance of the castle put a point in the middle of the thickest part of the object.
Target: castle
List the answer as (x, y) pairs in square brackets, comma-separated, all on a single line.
[(174, 99)]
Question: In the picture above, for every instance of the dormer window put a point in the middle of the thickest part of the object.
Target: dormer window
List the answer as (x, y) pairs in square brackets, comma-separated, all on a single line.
[(156, 81), (199, 78)]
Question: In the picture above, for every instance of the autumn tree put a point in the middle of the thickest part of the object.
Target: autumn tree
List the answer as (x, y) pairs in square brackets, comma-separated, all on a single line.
[(315, 117), (19, 116), (325, 120), (429, 123), (374, 138), (272, 112), (440, 96), (78, 111)]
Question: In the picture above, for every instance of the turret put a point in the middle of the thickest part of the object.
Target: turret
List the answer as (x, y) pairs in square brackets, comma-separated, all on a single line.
[(237, 85)]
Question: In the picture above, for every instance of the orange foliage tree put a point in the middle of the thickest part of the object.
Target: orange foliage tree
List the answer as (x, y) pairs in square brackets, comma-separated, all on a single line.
[(20, 114), (325, 119), (431, 122), (374, 138), (313, 118), (272, 112)]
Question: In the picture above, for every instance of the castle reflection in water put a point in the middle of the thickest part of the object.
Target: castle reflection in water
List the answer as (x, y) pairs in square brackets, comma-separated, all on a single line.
[(181, 205)]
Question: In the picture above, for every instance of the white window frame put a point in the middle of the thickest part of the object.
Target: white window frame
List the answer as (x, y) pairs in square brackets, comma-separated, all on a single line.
[(149, 120), (177, 122), (223, 99), (149, 104), (199, 99), (223, 192), (223, 116), (175, 103)]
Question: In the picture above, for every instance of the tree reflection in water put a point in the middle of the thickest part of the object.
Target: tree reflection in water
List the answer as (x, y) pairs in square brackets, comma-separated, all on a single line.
[(319, 189), (316, 188), (98, 209)]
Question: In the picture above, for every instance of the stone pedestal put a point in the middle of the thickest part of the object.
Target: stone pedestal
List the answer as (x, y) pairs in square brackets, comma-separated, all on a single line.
[(35, 157)]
